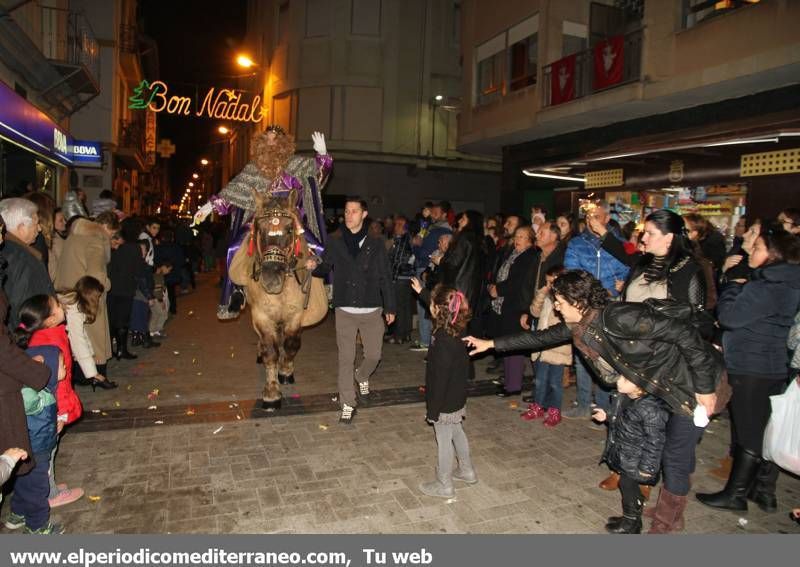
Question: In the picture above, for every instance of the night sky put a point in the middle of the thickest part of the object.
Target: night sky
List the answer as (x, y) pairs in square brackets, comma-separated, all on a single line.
[(197, 43)]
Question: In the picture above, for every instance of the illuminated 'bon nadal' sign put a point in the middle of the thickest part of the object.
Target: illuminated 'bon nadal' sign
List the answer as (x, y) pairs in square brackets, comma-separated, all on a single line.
[(225, 104)]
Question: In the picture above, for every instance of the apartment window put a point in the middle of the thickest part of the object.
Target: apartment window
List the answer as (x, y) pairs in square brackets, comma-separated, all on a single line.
[(575, 38), (283, 23), (523, 53), (489, 69), (365, 17), (696, 11), (457, 23), (317, 18)]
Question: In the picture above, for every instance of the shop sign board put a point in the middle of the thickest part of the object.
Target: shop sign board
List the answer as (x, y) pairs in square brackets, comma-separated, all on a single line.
[(676, 171), (26, 125), (86, 154)]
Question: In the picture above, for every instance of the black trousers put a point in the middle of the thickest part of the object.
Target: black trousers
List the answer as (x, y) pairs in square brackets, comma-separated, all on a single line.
[(750, 407), (173, 304), (678, 461), (401, 328), (631, 493)]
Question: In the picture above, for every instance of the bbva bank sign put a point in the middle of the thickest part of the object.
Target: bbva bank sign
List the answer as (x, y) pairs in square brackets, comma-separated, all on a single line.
[(87, 154)]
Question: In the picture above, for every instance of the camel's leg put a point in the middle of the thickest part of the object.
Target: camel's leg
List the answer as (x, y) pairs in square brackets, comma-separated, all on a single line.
[(288, 350), (271, 396)]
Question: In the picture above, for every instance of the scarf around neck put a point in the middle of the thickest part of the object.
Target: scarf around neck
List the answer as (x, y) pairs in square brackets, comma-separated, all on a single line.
[(353, 240)]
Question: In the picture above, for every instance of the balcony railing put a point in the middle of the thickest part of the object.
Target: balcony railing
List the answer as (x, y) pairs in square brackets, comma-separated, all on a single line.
[(131, 137), (585, 80), (68, 39)]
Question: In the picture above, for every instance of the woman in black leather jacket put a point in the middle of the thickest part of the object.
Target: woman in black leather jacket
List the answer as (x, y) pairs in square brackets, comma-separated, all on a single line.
[(464, 264), (657, 350)]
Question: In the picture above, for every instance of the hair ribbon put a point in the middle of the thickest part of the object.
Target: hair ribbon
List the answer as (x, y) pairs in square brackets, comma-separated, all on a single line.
[(455, 305)]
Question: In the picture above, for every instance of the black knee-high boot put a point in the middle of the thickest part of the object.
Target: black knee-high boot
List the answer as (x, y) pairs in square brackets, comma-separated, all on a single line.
[(763, 490), (734, 495)]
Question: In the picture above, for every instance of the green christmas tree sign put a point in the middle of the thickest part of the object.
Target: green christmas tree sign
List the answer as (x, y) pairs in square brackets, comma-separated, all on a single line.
[(143, 95)]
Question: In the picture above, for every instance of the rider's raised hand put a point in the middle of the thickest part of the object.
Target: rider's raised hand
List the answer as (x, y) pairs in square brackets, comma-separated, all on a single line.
[(319, 143), (202, 213)]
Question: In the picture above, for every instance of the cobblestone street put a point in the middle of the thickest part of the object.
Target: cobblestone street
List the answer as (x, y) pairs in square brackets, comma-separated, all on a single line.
[(218, 464)]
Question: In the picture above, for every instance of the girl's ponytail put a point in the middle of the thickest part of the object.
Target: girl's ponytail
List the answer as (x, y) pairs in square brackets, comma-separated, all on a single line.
[(32, 314)]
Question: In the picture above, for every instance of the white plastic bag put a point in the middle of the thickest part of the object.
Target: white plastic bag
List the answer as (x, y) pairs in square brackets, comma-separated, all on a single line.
[(782, 435)]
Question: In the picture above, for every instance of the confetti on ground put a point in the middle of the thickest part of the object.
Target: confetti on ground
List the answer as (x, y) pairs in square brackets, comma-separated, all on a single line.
[(217, 430), (422, 389), (177, 395), (742, 522), (238, 417), (233, 405), (194, 361), (152, 407), (323, 427), (335, 399), (159, 422), (190, 411), (170, 371), (94, 498), (199, 373), (295, 396), (95, 411), (103, 413), (176, 352), (117, 404), (513, 405), (190, 313), (233, 355), (153, 394)]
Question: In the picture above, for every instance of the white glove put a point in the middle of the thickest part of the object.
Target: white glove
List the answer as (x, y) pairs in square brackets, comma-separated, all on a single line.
[(202, 213), (319, 143)]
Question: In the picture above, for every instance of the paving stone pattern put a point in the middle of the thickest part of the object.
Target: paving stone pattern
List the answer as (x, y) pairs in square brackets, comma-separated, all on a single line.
[(305, 473)]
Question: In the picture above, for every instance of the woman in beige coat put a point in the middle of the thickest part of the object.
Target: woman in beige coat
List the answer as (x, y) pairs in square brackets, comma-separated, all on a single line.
[(87, 252)]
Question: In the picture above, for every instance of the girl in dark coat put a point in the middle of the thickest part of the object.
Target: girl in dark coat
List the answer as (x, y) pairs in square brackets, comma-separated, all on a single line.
[(446, 376), (637, 426), (756, 317), (126, 265)]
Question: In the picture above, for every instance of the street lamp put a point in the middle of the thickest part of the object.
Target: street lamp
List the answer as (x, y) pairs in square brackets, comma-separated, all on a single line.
[(244, 61), (191, 184), (204, 161), (195, 176), (223, 130)]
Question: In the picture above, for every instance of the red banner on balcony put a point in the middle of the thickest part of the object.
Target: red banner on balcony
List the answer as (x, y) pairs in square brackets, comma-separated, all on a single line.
[(609, 61), (562, 80)]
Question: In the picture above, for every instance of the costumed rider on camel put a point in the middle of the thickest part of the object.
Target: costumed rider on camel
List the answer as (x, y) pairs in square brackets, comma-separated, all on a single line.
[(274, 169)]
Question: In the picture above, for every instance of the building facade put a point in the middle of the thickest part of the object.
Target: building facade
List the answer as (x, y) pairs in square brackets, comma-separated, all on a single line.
[(681, 103), (127, 137), (49, 70), (381, 79)]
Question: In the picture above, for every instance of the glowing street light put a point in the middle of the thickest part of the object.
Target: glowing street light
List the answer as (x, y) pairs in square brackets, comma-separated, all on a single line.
[(191, 184), (223, 130), (244, 61), (438, 98), (204, 161), (195, 176)]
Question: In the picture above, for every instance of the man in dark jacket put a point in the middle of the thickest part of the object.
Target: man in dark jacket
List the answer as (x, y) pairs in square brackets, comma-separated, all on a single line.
[(362, 292), (26, 274)]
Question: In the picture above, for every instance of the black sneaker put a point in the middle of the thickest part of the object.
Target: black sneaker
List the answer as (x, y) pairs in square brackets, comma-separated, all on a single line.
[(347, 415)]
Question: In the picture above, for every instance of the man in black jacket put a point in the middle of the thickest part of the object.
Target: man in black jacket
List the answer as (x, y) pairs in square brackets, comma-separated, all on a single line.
[(362, 292), (26, 274)]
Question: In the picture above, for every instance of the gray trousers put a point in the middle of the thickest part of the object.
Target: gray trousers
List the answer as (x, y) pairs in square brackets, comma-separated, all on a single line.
[(452, 442), (348, 325)]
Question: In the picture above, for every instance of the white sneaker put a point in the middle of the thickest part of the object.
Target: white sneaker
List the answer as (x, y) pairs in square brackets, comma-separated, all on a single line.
[(348, 412)]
